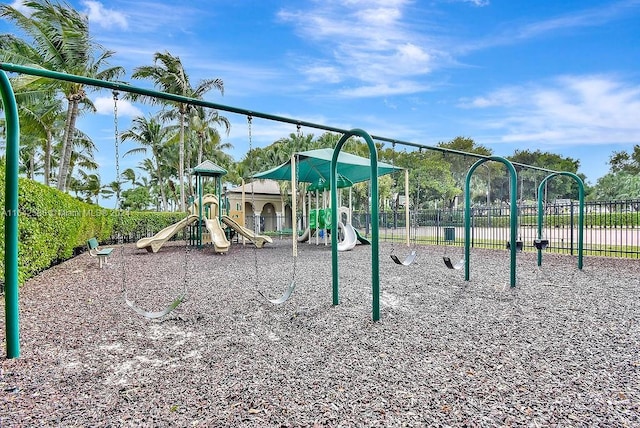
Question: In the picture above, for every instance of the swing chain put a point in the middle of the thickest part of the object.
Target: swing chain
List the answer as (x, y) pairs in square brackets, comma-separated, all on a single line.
[(117, 144), (294, 191), (253, 203), (395, 198), (116, 133)]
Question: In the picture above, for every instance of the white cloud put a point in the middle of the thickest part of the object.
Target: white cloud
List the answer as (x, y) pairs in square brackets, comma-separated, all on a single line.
[(104, 105), (477, 2), (105, 18), (367, 42), (384, 89), (20, 7), (323, 73), (592, 109), (517, 32)]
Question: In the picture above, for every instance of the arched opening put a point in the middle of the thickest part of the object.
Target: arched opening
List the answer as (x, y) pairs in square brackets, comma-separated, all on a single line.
[(287, 217), (270, 218), (249, 216)]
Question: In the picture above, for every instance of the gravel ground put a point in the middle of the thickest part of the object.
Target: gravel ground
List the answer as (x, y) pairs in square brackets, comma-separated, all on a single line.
[(562, 349)]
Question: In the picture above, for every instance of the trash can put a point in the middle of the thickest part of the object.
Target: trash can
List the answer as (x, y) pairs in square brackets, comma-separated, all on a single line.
[(449, 234)]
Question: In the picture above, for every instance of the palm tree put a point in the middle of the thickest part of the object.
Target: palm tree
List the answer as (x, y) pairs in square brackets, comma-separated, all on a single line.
[(168, 75), (111, 189), (28, 156), (150, 134), (130, 175), (203, 123), (82, 155), (90, 185), (59, 40), (41, 121)]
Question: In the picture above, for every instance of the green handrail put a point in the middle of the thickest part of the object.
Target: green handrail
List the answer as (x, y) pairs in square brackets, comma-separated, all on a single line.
[(578, 180), (513, 190), (11, 307), (375, 261)]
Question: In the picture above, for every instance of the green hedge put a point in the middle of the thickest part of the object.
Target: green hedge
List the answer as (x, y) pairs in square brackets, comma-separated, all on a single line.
[(133, 223), (52, 225)]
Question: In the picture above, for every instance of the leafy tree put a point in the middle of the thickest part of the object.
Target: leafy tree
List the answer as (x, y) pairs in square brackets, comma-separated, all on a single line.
[(529, 179), (111, 189), (460, 164), (626, 162), (617, 186), (136, 199), (59, 40), (152, 136), (203, 123), (41, 119), (90, 186), (168, 75)]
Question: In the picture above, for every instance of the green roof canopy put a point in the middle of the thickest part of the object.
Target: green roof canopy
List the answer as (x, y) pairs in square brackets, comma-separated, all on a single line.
[(316, 164), (209, 169)]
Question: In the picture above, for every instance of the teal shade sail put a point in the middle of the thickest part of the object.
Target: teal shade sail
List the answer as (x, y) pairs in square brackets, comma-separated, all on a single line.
[(316, 164)]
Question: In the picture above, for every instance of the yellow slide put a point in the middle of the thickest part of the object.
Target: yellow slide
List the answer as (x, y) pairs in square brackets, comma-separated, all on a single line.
[(153, 243), (220, 242), (258, 240)]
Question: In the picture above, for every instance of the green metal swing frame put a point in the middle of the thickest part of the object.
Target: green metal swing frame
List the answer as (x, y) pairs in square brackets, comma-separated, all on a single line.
[(11, 185)]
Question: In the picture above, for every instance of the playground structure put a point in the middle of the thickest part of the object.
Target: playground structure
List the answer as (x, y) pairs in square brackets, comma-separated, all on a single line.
[(208, 217), (319, 219), (155, 242), (370, 172), (256, 239)]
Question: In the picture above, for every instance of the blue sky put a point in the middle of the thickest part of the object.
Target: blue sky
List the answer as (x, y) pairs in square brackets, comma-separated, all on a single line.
[(559, 76)]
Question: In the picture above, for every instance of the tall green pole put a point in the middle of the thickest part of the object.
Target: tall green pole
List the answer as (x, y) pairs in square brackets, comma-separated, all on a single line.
[(11, 307), (580, 183), (513, 219), (200, 209), (220, 201), (375, 262)]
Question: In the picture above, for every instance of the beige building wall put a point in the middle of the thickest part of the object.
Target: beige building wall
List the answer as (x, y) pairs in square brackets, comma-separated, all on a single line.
[(264, 210)]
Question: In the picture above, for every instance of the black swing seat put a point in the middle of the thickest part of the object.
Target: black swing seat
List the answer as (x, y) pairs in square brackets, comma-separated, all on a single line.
[(285, 296), (154, 315), (518, 245), (407, 261), (450, 265), (541, 244)]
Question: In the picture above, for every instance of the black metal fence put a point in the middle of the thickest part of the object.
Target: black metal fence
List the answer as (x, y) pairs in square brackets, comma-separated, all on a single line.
[(611, 228)]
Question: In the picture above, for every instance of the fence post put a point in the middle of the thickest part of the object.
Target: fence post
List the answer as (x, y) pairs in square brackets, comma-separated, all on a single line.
[(571, 226), (438, 226)]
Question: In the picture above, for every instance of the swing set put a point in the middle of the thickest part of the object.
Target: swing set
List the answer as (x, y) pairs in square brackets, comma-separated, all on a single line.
[(411, 257), (515, 243), (11, 194)]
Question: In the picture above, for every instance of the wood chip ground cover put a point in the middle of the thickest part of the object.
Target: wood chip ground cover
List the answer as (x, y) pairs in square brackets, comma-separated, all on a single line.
[(561, 349)]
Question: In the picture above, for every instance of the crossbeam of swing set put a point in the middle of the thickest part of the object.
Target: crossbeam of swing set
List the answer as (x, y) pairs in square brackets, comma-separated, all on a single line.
[(11, 182), (124, 87)]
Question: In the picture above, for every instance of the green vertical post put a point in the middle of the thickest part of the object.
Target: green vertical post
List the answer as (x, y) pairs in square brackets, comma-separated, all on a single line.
[(375, 261), (200, 207), (580, 183), (513, 218), (11, 306), (220, 201)]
